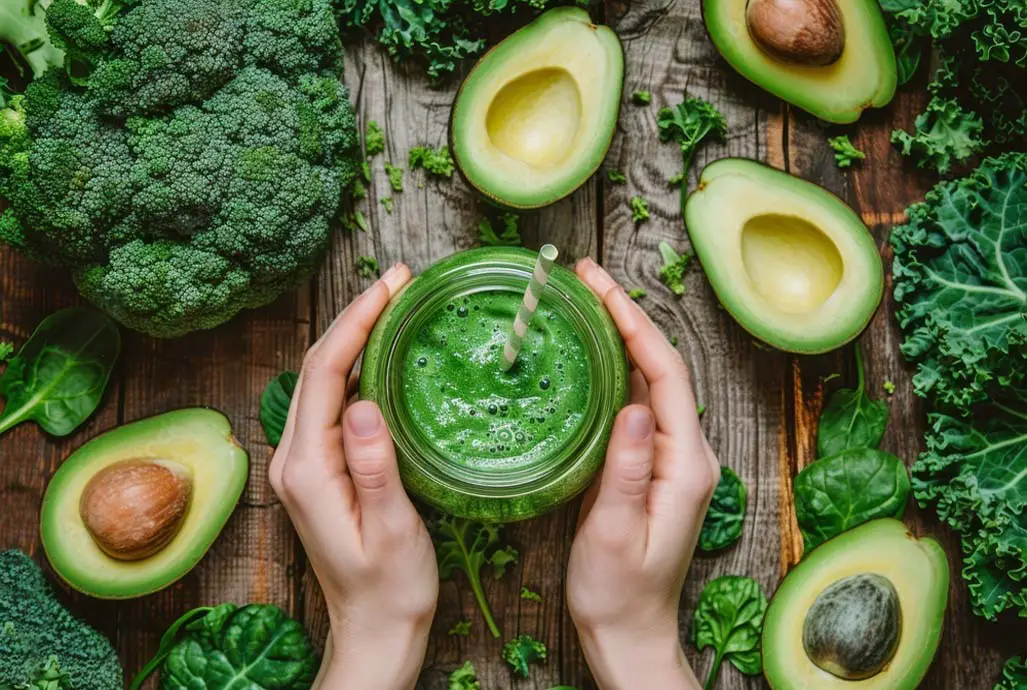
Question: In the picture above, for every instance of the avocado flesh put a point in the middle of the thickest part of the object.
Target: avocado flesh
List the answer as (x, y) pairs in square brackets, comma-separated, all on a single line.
[(863, 77), (535, 117), (916, 568), (792, 263), (199, 439)]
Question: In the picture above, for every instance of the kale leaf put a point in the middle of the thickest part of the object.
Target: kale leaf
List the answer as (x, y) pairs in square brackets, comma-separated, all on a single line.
[(639, 209), (722, 526), (838, 493), (464, 678), (729, 618), (960, 282), (1014, 674), (851, 419), (437, 162), (521, 651), (274, 405), (688, 124), (672, 272), (467, 546)]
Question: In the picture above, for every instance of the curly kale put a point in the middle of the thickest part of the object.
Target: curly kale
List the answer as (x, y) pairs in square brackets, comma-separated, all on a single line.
[(960, 281), (438, 34), (41, 644), (978, 93), (197, 170), (521, 651)]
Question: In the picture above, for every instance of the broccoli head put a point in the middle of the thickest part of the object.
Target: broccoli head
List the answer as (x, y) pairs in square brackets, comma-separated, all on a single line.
[(40, 639), (199, 168)]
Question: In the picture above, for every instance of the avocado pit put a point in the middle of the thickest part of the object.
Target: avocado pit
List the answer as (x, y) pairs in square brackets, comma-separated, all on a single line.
[(852, 629), (790, 262), (805, 32), (535, 117), (133, 508)]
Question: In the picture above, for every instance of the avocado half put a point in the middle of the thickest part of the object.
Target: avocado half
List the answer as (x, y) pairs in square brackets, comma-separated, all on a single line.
[(191, 448), (858, 582), (535, 117), (864, 76), (791, 262)]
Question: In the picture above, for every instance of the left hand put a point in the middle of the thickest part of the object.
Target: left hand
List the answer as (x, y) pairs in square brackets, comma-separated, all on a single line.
[(336, 474)]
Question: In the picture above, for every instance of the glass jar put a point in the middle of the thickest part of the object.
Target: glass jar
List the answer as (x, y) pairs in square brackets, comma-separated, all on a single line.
[(441, 405)]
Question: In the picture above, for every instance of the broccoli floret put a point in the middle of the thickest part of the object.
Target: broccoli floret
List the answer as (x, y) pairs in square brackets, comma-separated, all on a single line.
[(39, 638), (81, 29), (199, 170)]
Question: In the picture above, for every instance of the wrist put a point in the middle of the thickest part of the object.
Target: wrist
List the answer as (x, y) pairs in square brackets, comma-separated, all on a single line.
[(621, 659), (375, 657)]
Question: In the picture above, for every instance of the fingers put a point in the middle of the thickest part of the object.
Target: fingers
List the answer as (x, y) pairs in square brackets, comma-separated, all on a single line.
[(670, 392), (371, 460), (620, 503), (328, 364)]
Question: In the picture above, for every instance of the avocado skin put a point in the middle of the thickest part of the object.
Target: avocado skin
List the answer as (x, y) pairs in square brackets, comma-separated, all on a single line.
[(496, 197), (199, 438), (801, 97), (917, 568)]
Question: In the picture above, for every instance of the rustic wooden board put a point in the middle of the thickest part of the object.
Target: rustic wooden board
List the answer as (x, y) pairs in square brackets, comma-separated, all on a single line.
[(761, 406)]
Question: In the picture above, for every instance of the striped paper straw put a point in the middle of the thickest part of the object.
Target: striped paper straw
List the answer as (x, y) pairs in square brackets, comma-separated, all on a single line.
[(546, 256)]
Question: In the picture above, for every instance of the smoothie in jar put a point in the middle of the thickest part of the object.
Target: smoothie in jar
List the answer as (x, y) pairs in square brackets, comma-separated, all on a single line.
[(473, 439)]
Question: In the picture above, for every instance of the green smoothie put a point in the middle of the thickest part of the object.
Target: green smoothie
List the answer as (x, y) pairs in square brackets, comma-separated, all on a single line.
[(474, 413), (476, 441)]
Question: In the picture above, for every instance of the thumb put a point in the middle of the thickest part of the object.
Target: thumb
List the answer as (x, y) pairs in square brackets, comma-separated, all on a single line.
[(371, 460), (624, 488)]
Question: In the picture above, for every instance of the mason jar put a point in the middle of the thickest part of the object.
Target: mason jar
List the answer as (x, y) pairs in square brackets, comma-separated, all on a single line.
[(473, 439)]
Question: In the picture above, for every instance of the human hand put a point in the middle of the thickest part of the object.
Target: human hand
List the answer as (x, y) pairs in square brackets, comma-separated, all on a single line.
[(336, 474), (640, 523)]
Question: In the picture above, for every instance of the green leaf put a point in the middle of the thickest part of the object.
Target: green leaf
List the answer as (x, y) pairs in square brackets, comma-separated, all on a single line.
[(395, 175), (688, 124), (838, 493), (463, 678), (960, 282), (274, 405), (616, 176), (672, 272), (167, 643), (845, 154), (460, 629), (973, 473), (729, 618), (637, 293), (510, 237), (1014, 674), (466, 546), (529, 595), (851, 419), (256, 646), (639, 209), (641, 98), (374, 139), (723, 524), (436, 162), (58, 377), (367, 267), (6, 350), (944, 134), (501, 559), (388, 203), (522, 651)]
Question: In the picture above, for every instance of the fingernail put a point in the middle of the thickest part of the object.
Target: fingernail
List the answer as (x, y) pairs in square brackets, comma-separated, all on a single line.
[(391, 272), (364, 419), (639, 424), (587, 263)]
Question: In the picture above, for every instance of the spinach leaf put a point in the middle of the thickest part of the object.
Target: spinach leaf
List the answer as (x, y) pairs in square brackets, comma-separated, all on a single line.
[(256, 646), (723, 524), (274, 405), (729, 618), (467, 546), (851, 419), (837, 493), (59, 375)]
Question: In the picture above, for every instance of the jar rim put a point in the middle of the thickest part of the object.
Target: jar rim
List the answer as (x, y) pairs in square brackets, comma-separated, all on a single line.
[(555, 476)]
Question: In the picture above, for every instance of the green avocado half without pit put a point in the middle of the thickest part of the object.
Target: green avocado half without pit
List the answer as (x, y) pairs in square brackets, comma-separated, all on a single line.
[(863, 611), (134, 509), (791, 262), (535, 117), (832, 58)]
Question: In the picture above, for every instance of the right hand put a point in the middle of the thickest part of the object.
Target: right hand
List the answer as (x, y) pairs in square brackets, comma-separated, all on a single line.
[(640, 523)]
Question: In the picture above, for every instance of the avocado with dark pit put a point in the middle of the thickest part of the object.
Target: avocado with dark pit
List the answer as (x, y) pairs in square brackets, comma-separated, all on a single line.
[(863, 611), (791, 262), (832, 58), (134, 509), (535, 117)]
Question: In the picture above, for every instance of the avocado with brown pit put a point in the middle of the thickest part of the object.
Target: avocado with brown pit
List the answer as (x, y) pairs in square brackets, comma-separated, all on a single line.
[(134, 509), (832, 58)]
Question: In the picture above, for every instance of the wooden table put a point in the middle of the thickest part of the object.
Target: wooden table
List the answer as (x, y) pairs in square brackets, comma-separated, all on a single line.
[(761, 405)]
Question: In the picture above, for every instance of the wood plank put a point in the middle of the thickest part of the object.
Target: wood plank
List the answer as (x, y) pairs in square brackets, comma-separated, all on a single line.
[(742, 386), (433, 218)]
